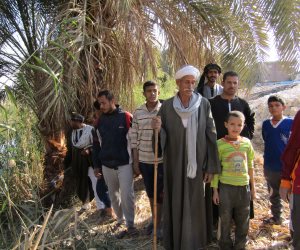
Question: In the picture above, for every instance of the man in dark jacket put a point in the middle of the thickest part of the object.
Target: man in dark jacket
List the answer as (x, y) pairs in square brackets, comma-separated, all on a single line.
[(222, 104), (112, 158)]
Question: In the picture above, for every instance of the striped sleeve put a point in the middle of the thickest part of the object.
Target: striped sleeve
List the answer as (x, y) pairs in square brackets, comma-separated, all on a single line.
[(133, 132)]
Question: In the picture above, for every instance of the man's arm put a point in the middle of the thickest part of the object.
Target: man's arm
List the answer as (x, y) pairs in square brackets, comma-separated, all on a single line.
[(249, 119), (133, 135), (213, 163), (96, 151), (68, 157)]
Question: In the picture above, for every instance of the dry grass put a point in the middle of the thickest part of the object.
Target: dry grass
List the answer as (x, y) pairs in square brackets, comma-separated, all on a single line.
[(73, 229)]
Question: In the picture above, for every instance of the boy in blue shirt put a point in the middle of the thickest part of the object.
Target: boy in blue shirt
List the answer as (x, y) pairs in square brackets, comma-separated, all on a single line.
[(275, 133)]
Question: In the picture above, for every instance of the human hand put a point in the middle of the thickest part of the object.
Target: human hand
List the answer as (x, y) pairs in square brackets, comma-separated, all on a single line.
[(85, 152), (216, 198), (156, 123), (136, 169), (98, 173), (284, 193), (207, 177)]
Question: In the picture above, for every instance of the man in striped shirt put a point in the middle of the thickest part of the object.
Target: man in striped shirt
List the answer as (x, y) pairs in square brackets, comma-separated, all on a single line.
[(141, 143)]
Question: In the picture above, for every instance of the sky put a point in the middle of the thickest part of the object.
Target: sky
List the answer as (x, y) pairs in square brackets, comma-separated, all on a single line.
[(273, 56)]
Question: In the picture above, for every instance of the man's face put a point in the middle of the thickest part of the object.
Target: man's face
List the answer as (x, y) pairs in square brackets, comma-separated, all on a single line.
[(212, 75), (186, 85), (106, 106), (151, 94), (230, 85), (75, 124)]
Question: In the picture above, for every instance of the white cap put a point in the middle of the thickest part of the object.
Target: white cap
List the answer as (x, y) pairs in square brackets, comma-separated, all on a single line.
[(187, 71)]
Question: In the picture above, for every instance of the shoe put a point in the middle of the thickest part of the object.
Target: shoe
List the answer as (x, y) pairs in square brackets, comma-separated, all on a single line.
[(117, 226), (273, 221), (130, 231), (107, 212)]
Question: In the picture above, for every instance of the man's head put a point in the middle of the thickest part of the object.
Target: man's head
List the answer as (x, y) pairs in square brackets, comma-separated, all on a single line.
[(212, 72), (76, 121), (276, 106), (230, 83), (186, 78), (150, 91), (107, 101)]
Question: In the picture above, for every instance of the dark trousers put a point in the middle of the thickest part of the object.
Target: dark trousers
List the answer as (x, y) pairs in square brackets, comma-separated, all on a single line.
[(295, 215), (147, 171), (102, 192), (234, 200), (273, 181)]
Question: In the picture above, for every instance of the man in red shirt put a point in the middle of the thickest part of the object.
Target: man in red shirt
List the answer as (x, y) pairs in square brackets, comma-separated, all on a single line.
[(290, 180)]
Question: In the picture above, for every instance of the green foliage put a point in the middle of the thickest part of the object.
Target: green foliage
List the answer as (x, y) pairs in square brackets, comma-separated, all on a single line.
[(21, 172), (167, 87)]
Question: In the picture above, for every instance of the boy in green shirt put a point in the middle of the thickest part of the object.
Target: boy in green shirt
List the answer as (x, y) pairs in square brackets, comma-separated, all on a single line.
[(231, 188)]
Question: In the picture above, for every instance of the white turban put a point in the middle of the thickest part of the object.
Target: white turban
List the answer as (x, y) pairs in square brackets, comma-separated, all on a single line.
[(187, 70)]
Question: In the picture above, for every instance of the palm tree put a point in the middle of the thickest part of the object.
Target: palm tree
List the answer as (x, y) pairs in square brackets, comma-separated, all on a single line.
[(113, 44)]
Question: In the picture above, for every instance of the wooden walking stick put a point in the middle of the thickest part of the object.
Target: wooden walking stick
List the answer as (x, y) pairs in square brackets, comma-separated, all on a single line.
[(155, 191)]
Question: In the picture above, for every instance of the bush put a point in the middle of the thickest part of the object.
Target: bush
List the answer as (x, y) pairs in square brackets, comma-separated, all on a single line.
[(21, 172)]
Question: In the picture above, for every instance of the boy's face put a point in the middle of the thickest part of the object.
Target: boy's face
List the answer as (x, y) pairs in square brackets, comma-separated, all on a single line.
[(276, 108), (151, 94), (234, 126)]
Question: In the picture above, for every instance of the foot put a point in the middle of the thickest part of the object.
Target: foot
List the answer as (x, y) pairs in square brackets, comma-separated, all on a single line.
[(130, 231), (273, 221), (86, 206), (107, 212), (117, 226)]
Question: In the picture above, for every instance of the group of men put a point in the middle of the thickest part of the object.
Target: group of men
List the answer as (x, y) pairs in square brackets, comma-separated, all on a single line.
[(120, 146)]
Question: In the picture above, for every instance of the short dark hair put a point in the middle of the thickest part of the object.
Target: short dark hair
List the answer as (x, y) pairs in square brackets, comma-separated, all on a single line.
[(276, 98), (77, 117), (108, 94), (236, 114), (96, 105), (229, 73), (148, 84)]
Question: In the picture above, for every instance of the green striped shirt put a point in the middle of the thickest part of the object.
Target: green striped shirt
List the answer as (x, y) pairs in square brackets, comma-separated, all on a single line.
[(236, 158)]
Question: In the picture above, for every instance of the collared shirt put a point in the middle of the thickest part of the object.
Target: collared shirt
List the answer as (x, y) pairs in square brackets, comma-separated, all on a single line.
[(209, 92), (141, 133)]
